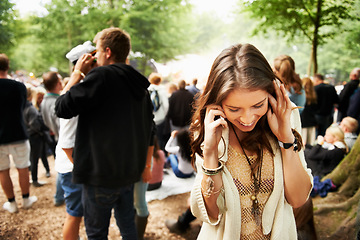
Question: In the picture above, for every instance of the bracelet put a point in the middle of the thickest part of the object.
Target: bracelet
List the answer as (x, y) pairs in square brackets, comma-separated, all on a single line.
[(289, 145), (80, 72), (210, 188), (148, 166), (211, 172)]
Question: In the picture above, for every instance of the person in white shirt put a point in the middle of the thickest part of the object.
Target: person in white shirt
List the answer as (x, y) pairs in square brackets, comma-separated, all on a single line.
[(159, 97), (180, 153), (64, 166)]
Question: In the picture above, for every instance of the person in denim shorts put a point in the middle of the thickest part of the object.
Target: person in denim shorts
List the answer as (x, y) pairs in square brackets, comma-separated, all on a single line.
[(64, 167)]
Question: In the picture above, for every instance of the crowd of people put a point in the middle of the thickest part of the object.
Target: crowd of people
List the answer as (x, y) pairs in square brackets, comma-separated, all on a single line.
[(254, 137)]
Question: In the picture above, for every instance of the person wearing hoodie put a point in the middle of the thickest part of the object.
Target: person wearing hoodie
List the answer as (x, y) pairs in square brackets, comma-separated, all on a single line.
[(114, 133)]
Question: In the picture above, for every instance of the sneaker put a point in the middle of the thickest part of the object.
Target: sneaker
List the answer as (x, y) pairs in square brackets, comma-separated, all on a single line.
[(28, 202), (48, 174), (174, 226), (10, 207), (38, 184), (59, 203)]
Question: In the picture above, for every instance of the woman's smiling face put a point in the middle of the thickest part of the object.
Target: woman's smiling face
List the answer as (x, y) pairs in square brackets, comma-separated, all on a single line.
[(243, 108)]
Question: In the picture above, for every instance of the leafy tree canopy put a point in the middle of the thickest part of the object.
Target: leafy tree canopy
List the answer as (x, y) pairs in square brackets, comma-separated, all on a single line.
[(6, 24), (313, 20)]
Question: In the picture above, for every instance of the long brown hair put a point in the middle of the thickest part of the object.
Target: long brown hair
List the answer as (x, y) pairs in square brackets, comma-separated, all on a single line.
[(310, 93), (239, 66), (285, 67)]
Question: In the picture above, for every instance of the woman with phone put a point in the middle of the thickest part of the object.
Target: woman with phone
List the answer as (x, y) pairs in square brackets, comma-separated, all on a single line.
[(248, 153)]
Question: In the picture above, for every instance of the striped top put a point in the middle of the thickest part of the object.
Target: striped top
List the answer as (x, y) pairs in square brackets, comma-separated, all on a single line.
[(241, 173)]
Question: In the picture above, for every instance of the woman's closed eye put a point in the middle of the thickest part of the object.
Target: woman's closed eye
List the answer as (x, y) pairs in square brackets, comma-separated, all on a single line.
[(258, 105)]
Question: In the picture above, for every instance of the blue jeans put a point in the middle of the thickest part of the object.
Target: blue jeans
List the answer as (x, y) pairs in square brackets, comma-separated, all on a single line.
[(174, 165), (140, 203), (98, 203), (72, 195), (59, 197)]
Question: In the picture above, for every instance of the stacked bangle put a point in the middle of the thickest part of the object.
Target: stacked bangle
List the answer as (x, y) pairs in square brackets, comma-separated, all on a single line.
[(211, 172)]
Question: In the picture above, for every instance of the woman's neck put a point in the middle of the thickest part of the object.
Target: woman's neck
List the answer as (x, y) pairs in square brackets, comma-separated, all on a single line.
[(234, 138)]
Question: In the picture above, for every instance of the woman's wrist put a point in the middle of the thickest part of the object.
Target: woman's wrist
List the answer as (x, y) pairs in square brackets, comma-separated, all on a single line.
[(287, 138), (211, 160)]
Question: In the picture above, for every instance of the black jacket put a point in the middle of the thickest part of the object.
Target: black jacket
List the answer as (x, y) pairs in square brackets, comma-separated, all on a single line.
[(322, 161), (115, 125), (13, 100), (308, 116), (345, 94), (180, 108), (327, 98)]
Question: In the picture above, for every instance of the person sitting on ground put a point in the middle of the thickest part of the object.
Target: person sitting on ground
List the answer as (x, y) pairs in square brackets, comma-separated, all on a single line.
[(179, 148), (328, 152), (157, 167), (349, 125)]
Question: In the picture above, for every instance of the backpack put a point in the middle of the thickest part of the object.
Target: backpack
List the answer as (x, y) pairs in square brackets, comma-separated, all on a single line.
[(155, 99)]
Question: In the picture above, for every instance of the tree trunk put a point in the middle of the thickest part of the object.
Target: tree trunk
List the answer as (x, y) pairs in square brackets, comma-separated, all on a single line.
[(346, 200), (348, 168), (315, 41)]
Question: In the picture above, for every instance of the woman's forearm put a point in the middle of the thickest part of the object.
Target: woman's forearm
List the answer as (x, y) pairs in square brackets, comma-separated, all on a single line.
[(297, 182)]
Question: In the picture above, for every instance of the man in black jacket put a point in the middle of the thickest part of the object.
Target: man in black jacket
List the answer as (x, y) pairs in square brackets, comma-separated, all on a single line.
[(115, 129), (345, 94), (180, 108), (327, 99)]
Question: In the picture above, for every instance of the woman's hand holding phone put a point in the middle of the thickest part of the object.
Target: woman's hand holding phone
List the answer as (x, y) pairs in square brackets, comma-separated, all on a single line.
[(214, 123)]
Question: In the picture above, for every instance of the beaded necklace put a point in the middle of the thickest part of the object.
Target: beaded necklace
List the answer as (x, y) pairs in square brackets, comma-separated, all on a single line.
[(257, 181)]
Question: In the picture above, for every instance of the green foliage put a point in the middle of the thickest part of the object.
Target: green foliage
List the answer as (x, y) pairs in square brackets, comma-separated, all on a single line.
[(158, 28), (7, 22), (211, 32), (297, 18), (314, 21)]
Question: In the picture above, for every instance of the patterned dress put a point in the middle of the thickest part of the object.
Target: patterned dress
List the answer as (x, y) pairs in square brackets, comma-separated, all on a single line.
[(241, 173)]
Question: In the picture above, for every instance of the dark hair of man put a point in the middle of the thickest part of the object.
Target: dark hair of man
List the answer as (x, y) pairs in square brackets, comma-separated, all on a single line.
[(50, 80), (182, 84), (4, 62), (318, 76), (155, 78), (117, 40)]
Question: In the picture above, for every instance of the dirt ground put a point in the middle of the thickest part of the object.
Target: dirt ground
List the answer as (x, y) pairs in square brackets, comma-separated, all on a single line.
[(44, 221)]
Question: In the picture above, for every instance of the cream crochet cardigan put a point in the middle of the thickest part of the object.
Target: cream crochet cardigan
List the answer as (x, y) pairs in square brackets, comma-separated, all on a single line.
[(278, 215)]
